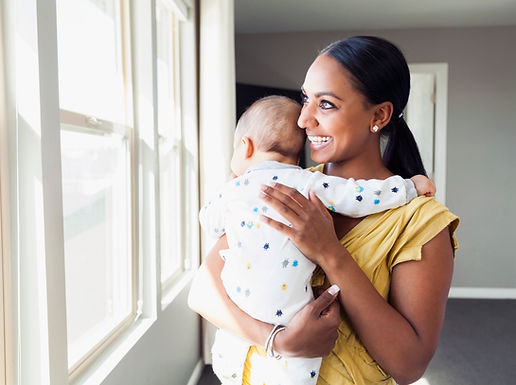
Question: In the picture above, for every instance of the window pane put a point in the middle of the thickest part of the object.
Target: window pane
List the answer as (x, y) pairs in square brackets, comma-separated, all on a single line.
[(98, 263), (170, 142), (91, 70)]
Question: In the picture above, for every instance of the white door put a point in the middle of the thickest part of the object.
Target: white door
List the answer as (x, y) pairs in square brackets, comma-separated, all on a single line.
[(420, 116)]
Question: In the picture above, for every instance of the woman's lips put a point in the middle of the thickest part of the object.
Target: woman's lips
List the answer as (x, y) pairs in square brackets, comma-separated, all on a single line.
[(318, 142)]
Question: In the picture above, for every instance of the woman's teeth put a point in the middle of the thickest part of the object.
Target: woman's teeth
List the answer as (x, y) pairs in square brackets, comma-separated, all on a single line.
[(319, 139)]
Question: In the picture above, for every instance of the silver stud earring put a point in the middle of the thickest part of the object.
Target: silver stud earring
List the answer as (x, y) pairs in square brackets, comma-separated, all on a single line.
[(375, 128)]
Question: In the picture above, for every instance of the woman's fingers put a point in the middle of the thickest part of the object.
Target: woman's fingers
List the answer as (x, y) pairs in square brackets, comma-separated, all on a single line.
[(313, 330), (281, 227), (315, 199), (285, 200)]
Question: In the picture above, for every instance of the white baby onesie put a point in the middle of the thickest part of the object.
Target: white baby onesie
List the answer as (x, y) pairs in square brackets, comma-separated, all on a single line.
[(264, 273)]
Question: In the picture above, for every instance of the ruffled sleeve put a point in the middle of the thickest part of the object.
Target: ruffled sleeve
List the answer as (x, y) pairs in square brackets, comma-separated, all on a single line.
[(422, 220)]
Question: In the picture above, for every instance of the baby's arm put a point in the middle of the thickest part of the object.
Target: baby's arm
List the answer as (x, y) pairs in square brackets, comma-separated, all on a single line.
[(424, 186), (211, 215), (362, 197)]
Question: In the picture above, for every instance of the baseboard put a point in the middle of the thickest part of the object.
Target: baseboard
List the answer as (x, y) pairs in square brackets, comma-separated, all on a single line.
[(196, 374), (482, 293)]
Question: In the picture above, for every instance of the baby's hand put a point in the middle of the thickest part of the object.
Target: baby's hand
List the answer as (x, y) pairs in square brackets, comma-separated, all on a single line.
[(423, 185)]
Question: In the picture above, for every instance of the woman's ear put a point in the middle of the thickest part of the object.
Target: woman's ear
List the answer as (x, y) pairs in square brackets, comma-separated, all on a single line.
[(382, 116), (248, 147)]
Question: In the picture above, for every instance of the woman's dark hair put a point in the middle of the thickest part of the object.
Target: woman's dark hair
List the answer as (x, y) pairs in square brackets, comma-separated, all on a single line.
[(380, 72)]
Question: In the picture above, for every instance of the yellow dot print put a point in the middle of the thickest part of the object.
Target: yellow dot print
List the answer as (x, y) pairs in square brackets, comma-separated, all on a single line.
[(284, 286), (248, 266), (286, 364), (257, 225)]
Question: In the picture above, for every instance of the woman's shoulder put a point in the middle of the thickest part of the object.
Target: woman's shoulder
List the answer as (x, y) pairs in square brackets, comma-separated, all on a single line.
[(422, 208), (420, 221)]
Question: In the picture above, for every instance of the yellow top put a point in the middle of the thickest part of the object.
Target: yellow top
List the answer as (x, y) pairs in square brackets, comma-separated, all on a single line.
[(377, 243)]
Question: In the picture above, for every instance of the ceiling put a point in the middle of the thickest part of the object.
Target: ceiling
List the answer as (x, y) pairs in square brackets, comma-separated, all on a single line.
[(260, 16)]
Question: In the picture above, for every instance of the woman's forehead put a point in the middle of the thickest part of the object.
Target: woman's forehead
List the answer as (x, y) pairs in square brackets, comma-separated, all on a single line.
[(327, 75)]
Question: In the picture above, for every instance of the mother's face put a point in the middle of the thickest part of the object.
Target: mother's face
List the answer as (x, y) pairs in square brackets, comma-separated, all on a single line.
[(337, 117)]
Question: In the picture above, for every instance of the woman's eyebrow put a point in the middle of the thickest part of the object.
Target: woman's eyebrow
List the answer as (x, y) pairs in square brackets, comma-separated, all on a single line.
[(327, 93), (323, 93)]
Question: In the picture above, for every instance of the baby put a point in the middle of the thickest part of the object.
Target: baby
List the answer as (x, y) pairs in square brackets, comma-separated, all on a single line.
[(264, 273)]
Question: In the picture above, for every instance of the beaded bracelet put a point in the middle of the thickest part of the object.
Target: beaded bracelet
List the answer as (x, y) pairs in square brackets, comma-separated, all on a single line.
[(270, 341)]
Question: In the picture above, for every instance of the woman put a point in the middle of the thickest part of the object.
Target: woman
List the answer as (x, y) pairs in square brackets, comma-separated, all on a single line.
[(394, 268)]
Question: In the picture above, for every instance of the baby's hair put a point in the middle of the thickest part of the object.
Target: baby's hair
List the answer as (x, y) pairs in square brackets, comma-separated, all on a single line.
[(271, 123)]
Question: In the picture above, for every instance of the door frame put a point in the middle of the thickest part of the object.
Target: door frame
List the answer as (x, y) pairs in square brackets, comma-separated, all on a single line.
[(440, 70)]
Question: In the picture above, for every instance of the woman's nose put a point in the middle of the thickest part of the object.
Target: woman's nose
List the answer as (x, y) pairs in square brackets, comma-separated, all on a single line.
[(306, 117)]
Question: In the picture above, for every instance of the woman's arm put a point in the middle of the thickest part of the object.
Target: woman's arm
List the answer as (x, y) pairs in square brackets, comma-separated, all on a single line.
[(310, 334), (208, 298), (402, 334)]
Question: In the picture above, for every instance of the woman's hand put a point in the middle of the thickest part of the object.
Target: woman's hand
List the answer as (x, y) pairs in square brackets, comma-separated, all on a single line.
[(313, 330), (311, 227)]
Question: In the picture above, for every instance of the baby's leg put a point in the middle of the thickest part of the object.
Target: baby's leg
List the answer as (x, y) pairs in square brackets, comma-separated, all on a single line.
[(228, 356)]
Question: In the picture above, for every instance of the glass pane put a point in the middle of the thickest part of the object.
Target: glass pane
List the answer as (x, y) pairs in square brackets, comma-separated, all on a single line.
[(98, 263), (91, 71), (170, 213), (170, 142)]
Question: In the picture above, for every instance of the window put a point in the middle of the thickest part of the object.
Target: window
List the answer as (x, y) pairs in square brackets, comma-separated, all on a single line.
[(96, 155), (82, 284), (170, 142)]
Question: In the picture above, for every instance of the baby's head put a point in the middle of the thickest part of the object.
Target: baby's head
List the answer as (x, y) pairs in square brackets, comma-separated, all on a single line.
[(268, 130)]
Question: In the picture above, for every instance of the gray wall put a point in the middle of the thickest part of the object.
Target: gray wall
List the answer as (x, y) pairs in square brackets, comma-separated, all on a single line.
[(481, 153), (167, 353)]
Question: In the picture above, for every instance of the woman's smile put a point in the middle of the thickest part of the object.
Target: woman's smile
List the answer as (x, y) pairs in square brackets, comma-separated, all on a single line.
[(318, 142)]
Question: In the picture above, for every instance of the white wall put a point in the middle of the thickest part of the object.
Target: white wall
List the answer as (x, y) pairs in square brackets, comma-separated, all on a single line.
[(481, 156)]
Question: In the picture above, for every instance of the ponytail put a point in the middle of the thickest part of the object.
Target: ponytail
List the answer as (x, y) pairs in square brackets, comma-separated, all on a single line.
[(401, 155), (380, 72)]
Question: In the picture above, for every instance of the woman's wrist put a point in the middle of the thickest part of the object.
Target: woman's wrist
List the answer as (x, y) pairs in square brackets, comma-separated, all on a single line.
[(281, 342), (331, 256)]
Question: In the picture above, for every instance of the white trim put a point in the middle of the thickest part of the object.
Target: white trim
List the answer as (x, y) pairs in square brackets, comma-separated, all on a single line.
[(196, 374), (482, 292), (8, 130), (441, 110), (113, 354)]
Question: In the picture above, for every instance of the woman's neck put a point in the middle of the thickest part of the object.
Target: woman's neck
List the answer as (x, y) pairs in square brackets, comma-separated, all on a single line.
[(362, 167)]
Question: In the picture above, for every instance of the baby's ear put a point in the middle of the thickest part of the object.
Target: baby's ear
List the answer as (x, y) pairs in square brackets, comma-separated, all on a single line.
[(248, 146)]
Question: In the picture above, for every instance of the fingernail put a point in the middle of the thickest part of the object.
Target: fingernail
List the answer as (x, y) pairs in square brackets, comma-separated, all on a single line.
[(334, 289), (262, 195), (272, 184)]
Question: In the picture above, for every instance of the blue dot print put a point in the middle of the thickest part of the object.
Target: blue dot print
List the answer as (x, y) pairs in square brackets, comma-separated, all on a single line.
[(312, 373), (376, 201), (295, 263), (359, 198), (394, 189), (266, 246), (279, 313), (275, 177), (325, 185)]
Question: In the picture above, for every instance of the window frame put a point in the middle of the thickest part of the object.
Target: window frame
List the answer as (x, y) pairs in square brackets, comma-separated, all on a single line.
[(168, 6), (89, 124), (189, 156)]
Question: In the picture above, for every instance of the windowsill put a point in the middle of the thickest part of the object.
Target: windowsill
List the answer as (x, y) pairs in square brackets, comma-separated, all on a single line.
[(98, 370), (173, 290)]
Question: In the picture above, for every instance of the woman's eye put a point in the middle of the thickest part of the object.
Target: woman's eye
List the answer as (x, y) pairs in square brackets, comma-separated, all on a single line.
[(326, 105)]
